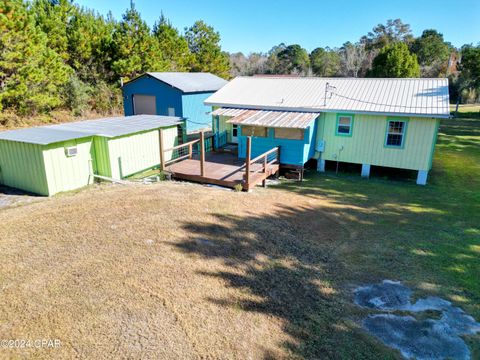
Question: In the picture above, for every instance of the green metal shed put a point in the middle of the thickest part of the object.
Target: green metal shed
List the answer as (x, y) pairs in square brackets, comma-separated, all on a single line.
[(51, 159)]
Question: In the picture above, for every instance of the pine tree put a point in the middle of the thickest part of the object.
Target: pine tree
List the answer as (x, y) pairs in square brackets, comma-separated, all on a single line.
[(173, 46), (52, 17), (89, 43), (134, 49), (31, 74), (204, 43)]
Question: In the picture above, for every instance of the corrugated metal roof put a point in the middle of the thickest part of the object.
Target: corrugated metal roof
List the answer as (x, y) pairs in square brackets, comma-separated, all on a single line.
[(190, 82), (107, 127), (278, 119), (408, 97)]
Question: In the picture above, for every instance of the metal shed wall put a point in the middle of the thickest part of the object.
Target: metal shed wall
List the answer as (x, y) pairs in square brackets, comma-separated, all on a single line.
[(189, 105), (197, 114), (134, 153), (367, 143), (22, 167), (66, 173), (166, 95)]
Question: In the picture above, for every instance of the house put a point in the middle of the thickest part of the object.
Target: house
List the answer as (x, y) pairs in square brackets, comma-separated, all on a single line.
[(372, 122), (172, 94), (50, 159)]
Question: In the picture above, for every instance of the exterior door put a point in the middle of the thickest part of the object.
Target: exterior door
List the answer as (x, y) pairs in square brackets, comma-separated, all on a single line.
[(144, 105), (235, 133)]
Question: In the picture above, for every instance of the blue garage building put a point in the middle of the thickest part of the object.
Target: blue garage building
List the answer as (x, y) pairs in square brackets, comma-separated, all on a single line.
[(172, 94)]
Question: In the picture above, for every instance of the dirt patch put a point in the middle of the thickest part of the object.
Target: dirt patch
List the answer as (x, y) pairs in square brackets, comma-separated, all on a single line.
[(12, 197)]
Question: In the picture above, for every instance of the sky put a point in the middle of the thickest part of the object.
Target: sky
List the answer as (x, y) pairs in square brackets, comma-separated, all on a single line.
[(257, 25)]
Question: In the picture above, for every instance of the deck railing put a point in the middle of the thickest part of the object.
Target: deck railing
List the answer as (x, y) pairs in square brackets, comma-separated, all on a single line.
[(177, 153), (261, 163), (220, 139)]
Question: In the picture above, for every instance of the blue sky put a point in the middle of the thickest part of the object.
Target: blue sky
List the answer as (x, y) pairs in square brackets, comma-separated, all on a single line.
[(250, 25)]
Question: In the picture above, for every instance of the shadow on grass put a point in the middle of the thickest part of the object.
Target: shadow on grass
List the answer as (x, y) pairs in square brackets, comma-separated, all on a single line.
[(297, 263), (286, 264)]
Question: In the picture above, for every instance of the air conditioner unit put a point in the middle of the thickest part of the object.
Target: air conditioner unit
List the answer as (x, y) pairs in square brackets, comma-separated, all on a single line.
[(71, 151)]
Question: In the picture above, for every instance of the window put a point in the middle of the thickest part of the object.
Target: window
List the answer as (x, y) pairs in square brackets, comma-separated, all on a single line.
[(344, 125), (293, 134), (171, 111), (395, 133), (234, 130), (258, 131)]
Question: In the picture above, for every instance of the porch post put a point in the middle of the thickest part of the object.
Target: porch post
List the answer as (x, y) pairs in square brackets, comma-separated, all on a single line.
[(265, 160), (321, 165), (248, 158), (365, 170), (202, 153), (422, 177), (160, 141)]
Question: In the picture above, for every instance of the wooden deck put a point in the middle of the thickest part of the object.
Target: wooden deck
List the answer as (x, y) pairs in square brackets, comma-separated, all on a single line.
[(222, 169)]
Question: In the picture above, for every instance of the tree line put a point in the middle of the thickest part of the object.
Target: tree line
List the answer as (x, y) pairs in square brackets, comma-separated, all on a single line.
[(389, 50), (56, 54)]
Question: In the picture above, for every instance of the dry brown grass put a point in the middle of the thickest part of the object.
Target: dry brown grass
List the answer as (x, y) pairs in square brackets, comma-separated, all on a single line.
[(10, 120), (165, 271)]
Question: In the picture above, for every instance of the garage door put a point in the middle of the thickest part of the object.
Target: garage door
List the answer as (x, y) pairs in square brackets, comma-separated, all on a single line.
[(144, 104)]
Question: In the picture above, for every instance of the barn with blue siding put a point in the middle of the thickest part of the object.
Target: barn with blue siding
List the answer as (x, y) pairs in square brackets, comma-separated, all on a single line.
[(172, 94)]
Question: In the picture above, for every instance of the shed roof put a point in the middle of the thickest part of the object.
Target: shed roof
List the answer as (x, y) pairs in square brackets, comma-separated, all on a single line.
[(405, 97), (190, 82), (270, 118), (107, 127)]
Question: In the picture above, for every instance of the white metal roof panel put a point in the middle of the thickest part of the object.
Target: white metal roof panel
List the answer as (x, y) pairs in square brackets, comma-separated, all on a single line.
[(407, 97), (107, 127), (190, 82), (40, 135)]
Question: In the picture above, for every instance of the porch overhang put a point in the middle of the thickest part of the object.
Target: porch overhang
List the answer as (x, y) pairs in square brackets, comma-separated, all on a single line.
[(268, 118)]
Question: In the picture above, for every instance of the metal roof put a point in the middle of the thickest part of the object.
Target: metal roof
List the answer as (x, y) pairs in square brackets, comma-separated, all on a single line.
[(278, 119), (407, 97), (190, 82), (107, 127)]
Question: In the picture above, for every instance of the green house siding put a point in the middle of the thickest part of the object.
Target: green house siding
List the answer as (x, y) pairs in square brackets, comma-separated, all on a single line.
[(102, 157), (47, 170), (220, 125), (134, 153), (21, 167), (64, 172), (366, 145)]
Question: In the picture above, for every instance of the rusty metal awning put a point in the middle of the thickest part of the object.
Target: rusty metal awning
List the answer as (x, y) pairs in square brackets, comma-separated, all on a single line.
[(268, 118)]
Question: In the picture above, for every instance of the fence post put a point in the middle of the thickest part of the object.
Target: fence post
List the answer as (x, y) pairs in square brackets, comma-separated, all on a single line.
[(162, 160), (202, 153), (264, 182), (190, 150), (248, 158)]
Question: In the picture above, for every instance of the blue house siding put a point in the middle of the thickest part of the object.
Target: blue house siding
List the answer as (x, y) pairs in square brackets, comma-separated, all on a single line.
[(166, 95), (292, 152), (197, 114), (188, 105)]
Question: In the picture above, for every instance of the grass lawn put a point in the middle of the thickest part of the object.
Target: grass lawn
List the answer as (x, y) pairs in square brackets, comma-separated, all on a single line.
[(176, 270), (467, 110)]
